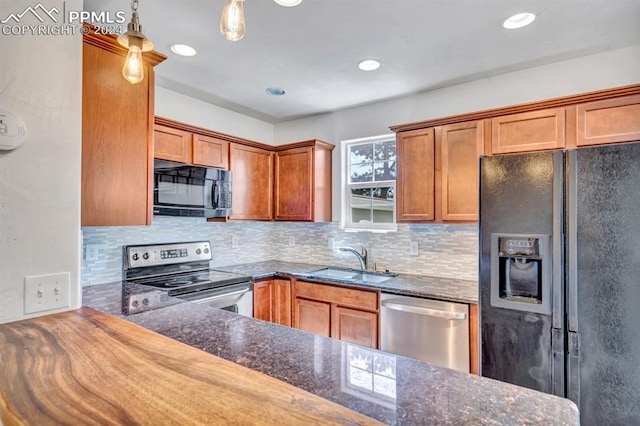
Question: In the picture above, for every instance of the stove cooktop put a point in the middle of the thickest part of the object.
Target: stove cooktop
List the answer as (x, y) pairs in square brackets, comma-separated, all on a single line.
[(194, 281)]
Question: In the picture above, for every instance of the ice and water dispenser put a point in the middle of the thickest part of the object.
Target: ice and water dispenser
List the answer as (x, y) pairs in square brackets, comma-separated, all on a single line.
[(521, 272)]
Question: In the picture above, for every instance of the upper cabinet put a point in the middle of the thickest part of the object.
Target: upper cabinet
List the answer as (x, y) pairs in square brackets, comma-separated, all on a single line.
[(415, 181), (252, 170), (438, 173), (117, 141), (176, 142), (528, 131), (608, 121), (302, 190)]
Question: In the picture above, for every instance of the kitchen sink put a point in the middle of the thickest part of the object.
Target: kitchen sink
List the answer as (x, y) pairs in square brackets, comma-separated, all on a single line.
[(353, 275)]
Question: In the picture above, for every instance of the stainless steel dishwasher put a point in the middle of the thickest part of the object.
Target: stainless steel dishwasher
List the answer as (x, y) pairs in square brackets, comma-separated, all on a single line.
[(432, 331)]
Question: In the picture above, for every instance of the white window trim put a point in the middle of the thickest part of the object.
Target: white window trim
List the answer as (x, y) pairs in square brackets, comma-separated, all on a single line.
[(345, 194)]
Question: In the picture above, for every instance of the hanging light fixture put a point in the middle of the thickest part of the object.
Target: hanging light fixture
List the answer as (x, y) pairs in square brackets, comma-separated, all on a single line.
[(136, 42), (232, 20)]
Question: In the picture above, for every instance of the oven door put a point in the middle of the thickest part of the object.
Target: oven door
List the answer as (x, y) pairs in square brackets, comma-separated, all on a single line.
[(236, 298)]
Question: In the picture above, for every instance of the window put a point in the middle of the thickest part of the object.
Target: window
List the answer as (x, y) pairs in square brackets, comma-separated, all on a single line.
[(369, 183)]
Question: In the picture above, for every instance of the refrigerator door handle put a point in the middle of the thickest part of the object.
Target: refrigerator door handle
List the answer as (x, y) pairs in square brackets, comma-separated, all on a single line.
[(573, 368), (572, 239), (557, 362), (557, 275)]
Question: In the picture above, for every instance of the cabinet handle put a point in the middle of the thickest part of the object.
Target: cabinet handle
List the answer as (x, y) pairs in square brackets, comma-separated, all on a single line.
[(423, 311)]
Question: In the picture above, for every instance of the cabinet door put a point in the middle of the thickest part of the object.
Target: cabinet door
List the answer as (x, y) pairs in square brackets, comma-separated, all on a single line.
[(252, 169), (461, 147), (415, 181), (314, 317), (355, 326), (117, 148), (294, 184), (172, 144), (528, 131), (210, 152), (609, 121), (282, 302), (263, 300)]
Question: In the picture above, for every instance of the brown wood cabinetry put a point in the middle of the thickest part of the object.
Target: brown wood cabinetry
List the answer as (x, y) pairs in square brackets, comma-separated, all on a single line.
[(474, 342), (302, 189), (344, 313), (172, 144), (415, 182), (117, 141), (438, 173), (608, 121), (272, 301), (210, 152), (458, 149), (252, 183), (528, 131)]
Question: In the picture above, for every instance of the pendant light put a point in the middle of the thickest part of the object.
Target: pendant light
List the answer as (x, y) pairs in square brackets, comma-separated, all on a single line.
[(232, 20), (136, 42)]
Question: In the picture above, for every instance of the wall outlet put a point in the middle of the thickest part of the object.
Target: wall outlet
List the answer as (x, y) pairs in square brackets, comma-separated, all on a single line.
[(46, 292), (91, 251), (331, 243), (234, 241), (292, 240), (413, 248)]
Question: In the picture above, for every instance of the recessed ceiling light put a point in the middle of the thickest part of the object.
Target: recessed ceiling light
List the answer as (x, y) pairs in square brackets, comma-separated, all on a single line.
[(182, 49), (519, 20), (288, 3), (275, 91), (369, 65)]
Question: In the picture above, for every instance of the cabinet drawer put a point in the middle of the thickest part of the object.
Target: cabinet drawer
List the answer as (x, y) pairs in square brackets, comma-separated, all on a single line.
[(342, 296)]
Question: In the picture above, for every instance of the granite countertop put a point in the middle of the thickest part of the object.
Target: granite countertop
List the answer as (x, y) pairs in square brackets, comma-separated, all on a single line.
[(449, 289), (386, 387)]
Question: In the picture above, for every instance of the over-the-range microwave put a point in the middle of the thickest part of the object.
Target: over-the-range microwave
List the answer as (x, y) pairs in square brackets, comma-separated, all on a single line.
[(186, 190)]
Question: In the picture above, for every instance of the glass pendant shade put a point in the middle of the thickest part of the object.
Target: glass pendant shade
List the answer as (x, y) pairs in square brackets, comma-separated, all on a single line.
[(232, 24)]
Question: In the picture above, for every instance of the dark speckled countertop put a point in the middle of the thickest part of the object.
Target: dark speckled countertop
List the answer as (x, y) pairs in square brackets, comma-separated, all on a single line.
[(451, 289), (390, 388)]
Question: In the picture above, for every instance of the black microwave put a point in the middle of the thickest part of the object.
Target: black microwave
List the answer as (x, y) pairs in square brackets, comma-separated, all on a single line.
[(186, 190)]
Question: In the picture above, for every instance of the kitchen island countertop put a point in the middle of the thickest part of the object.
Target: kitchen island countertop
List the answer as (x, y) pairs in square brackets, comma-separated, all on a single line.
[(443, 288), (385, 387)]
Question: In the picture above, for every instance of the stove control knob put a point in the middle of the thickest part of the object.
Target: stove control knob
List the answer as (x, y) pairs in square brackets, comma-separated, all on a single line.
[(145, 256), (145, 301), (135, 256), (206, 250), (135, 303), (198, 251)]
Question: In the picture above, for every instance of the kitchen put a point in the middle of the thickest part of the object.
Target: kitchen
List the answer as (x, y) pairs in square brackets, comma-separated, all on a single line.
[(35, 241)]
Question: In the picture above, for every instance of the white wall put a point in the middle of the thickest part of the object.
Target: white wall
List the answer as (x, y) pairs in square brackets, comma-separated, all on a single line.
[(41, 81), (174, 105), (605, 70)]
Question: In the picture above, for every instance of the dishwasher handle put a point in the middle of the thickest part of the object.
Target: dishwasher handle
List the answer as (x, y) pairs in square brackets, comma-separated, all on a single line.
[(399, 306)]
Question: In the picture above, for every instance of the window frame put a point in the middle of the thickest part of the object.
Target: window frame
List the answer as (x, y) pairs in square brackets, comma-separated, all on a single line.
[(345, 215)]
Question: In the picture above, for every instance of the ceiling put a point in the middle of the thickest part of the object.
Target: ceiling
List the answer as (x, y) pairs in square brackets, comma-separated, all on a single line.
[(312, 50)]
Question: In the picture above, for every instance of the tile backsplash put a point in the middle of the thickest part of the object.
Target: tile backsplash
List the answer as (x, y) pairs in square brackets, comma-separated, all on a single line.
[(444, 250)]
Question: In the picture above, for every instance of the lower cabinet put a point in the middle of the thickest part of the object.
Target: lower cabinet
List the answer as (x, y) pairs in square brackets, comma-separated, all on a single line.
[(343, 313), (272, 301)]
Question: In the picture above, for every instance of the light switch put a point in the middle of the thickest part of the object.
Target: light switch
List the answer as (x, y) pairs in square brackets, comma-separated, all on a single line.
[(46, 292)]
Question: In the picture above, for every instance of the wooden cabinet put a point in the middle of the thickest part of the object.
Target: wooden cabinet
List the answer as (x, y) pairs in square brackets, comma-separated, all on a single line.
[(210, 152), (528, 131), (438, 173), (415, 182), (272, 301), (302, 188), (344, 313), (474, 340), (117, 141), (608, 121), (252, 183), (173, 143), (458, 150)]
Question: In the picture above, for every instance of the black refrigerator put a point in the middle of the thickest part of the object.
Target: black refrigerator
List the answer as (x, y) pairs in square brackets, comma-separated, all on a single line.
[(560, 276)]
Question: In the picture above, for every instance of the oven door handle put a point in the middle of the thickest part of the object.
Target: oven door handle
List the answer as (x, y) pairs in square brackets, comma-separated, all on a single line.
[(219, 296)]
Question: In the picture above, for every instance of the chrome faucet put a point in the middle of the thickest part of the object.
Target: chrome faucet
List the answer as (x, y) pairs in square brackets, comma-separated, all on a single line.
[(362, 257)]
